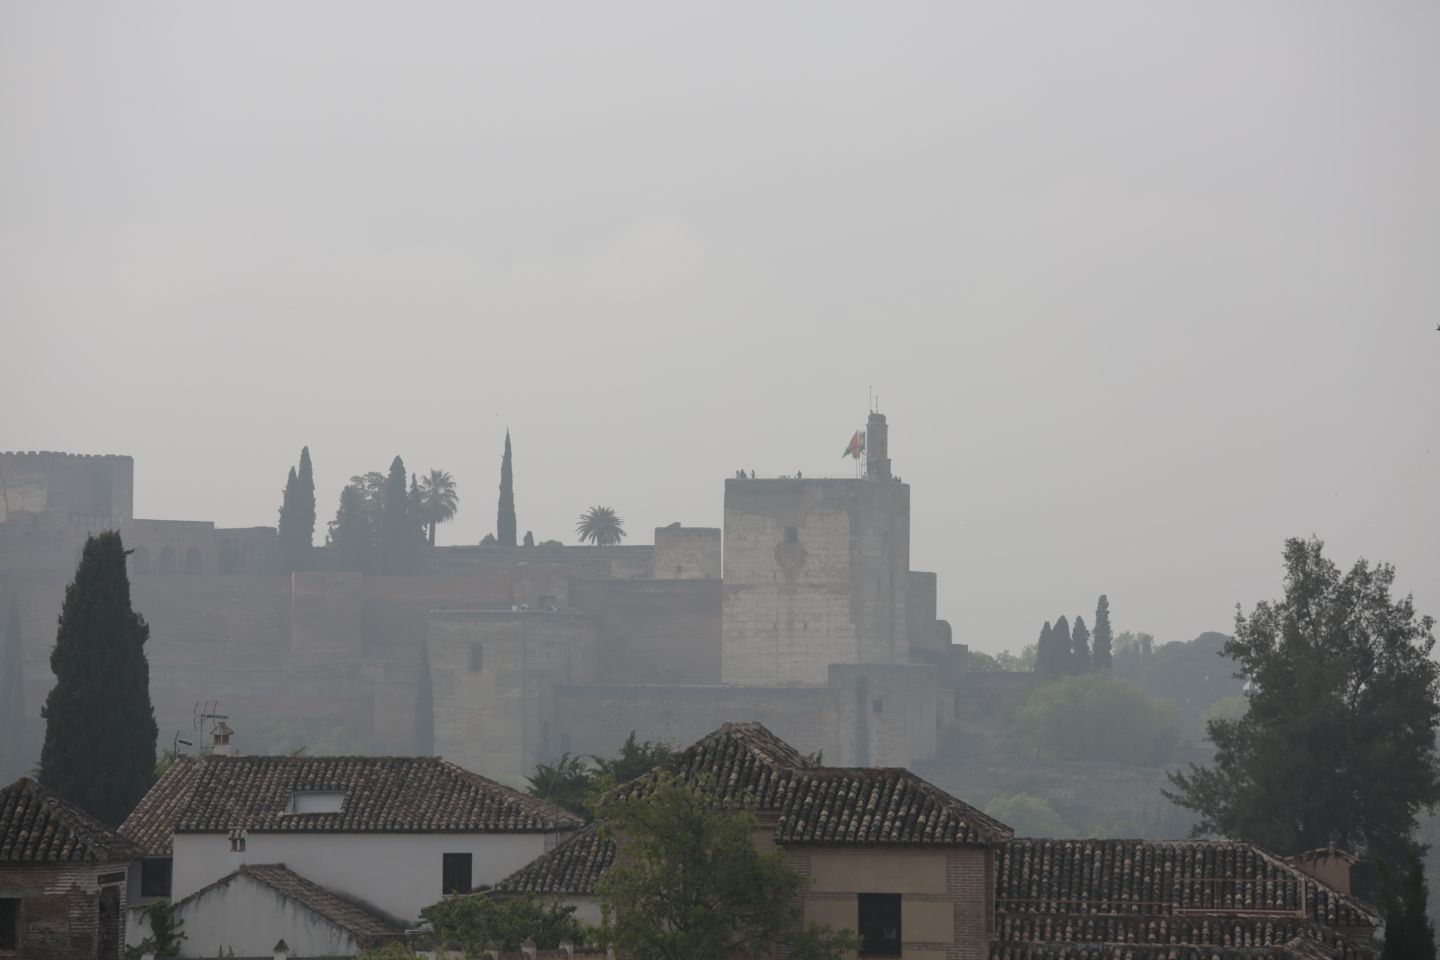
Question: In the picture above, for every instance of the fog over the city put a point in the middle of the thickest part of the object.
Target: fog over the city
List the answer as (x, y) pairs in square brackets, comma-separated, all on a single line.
[(1143, 289)]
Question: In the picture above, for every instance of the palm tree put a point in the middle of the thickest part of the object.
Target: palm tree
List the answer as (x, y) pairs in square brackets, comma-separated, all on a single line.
[(601, 527), (438, 500)]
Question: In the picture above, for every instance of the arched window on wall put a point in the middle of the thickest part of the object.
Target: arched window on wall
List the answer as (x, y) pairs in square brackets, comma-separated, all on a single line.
[(139, 562), (192, 561), (167, 561)]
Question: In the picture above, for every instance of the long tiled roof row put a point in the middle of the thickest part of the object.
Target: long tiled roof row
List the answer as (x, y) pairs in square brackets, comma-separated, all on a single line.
[(38, 827)]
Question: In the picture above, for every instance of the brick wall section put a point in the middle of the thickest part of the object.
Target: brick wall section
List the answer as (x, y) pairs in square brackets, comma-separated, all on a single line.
[(59, 908), (969, 880)]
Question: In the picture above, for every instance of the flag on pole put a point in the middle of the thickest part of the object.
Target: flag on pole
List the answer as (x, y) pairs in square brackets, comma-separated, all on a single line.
[(856, 446)]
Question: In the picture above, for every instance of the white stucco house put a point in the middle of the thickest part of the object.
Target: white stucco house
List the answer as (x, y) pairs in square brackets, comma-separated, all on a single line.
[(326, 853)]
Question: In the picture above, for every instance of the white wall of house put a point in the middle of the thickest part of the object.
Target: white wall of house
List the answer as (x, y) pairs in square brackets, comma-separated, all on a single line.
[(247, 918), (394, 873)]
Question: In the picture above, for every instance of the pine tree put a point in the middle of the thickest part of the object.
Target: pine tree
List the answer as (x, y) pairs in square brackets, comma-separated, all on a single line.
[(505, 521), (396, 542), (351, 533), (15, 738), (1080, 648), (100, 731), (1103, 643), (1060, 641), (305, 509)]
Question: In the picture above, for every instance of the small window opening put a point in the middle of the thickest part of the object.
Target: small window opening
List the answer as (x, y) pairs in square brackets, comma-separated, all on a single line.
[(477, 657), (456, 873), (237, 841), (9, 923), (877, 705), (155, 877), (792, 534), (317, 801), (879, 924)]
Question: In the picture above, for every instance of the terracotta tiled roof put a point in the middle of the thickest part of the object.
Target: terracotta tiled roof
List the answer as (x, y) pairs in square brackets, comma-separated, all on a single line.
[(216, 794), (573, 867), (1211, 929), (1160, 879), (1300, 949), (36, 826), (810, 804), (361, 923)]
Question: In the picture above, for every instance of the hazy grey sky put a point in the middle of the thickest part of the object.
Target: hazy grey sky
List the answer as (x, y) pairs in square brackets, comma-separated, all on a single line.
[(1144, 288)]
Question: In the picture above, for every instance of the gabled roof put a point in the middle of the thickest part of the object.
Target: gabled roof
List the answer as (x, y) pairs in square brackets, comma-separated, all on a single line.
[(1300, 948), (217, 794), (573, 867), (36, 826), (363, 924), (809, 804), (1164, 879)]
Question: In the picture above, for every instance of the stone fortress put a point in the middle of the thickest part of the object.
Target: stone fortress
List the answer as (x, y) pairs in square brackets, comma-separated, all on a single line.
[(803, 614)]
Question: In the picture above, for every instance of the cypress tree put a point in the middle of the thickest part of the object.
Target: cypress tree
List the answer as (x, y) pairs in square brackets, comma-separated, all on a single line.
[(1409, 934), (100, 731), (14, 738), (1060, 643), (396, 546), (352, 536), (285, 531), (1103, 643), (505, 521), (1080, 648), (1045, 651), (305, 510)]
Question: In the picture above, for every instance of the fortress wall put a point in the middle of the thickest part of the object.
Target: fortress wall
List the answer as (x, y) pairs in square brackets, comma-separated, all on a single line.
[(171, 547), (880, 565), (687, 553), (631, 561), (492, 679), (77, 489), (885, 714), (654, 631)]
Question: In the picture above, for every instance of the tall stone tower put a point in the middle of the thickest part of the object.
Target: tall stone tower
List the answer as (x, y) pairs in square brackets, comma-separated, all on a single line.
[(816, 573)]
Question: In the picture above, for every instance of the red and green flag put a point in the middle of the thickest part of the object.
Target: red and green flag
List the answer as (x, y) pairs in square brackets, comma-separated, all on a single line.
[(856, 446)]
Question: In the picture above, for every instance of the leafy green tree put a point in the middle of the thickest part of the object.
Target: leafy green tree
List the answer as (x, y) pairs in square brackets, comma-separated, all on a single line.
[(1409, 934), (1096, 718), (13, 721), (439, 501), (396, 539), (100, 731), (1339, 741), (1104, 638), (690, 883), (601, 526), (505, 516), (351, 533), (636, 758), (1080, 647), (566, 782), (1227, 708), (1028, 816), (482, 921)]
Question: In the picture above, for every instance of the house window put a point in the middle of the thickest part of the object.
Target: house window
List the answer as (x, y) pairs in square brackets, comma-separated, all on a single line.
[(477, 657), (317, 801), (877, 705), (456, 869), (879, 924), (9, 923), (155, 878)]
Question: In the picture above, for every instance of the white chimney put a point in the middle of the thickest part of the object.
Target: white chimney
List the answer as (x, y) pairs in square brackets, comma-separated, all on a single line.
[(221, 746), (282, 950)]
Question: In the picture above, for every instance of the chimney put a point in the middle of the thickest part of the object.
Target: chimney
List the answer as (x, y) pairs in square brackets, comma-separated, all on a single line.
[(221, 745), (568, 949), (282, 949)]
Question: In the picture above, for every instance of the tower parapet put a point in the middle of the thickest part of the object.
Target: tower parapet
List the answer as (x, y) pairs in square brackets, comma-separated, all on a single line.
[(877, 448)]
